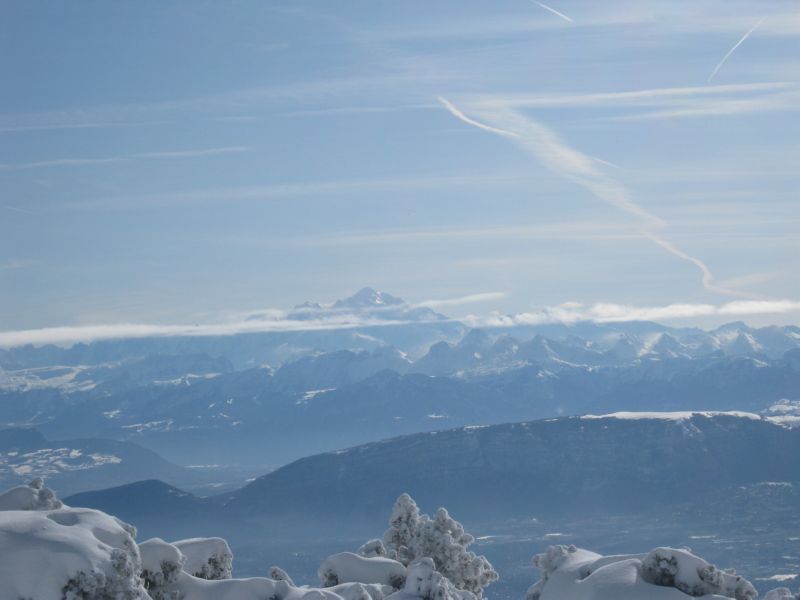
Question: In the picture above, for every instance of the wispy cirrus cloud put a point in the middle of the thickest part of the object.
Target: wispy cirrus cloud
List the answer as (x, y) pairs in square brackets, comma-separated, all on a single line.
[(17, 263), (211, 105), (83, 162), (573, 312), (55, 125), (588, 230), (469, 299), (17, 209), (658, 103), (277, 191)]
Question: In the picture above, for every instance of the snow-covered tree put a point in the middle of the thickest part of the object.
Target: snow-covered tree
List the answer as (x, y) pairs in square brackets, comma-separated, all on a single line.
[(403, 528), (412, 535), (34, 496)]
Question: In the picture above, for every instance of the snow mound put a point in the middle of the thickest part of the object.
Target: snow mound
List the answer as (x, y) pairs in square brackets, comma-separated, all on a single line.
[(189, 587), (207, 558), (33, 496), (68, 554), (362, 591), (570, 573), (161, 566), (347, 567)]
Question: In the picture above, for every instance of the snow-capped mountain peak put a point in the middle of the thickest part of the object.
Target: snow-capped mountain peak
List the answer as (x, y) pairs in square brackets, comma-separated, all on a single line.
[(368, 297)]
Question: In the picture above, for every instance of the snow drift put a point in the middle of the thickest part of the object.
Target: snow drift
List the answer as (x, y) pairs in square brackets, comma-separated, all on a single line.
[(570, 573), (55, 552)]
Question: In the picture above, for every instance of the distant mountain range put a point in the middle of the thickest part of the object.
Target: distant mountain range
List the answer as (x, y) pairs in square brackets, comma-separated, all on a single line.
[(414, 331), (632, 462), (196, 401), (390, 322)]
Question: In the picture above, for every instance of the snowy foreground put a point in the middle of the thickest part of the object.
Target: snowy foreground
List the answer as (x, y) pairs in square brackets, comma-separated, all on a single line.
[(54, 552)]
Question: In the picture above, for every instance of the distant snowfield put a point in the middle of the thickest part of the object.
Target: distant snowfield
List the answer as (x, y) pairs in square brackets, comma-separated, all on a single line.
[(786, 420), (672, 416), (47, 462), (65, 378)]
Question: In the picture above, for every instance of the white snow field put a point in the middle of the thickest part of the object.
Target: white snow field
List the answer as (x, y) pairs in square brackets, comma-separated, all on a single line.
[(49, 551)]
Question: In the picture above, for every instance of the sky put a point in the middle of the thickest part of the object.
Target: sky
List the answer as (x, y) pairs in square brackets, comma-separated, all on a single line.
[(180, 162)]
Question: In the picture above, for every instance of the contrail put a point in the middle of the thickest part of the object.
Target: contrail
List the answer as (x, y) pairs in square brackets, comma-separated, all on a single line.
[(572, 164), (554, 11), (735, 46), (462, 117), (708, 276)]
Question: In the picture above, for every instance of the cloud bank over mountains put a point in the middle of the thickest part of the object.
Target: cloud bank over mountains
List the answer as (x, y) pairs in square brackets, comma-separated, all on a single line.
[(369, 308)]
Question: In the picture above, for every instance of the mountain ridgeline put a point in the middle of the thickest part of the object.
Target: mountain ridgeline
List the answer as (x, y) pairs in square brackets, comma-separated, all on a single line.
[(215, 401), (624, 462)]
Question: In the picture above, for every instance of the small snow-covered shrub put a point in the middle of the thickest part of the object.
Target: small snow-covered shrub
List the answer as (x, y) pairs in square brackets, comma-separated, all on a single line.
[(423, 581), (373, 548), (781, 594), (413, 535), (68, 554), (692, 575), (33, 496), (207, 558), (558, 558), (347, 567), (403, 529), (279, 574), (161, 566)]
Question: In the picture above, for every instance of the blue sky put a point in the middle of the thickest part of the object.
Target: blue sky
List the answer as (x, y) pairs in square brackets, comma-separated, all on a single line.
[(178, 162)]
